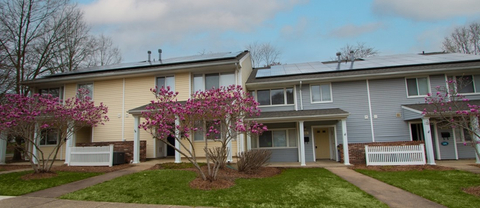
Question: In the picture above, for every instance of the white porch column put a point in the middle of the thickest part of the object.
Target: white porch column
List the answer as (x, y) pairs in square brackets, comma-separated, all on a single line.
[(427, 132), (3, 147), (229, 153), (136, 140), (346, 155), (178, 157), (35, 144), (302, 143), (474, 126), (241, 143), (249, 142), (71, 141)]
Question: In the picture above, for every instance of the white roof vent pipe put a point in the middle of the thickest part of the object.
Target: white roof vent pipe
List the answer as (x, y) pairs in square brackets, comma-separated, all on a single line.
[(339, 60), (352, 58), (149, 54), (160, 55)]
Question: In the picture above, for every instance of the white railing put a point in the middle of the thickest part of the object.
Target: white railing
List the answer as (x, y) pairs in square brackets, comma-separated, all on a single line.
[(91, 156), (395, 155)]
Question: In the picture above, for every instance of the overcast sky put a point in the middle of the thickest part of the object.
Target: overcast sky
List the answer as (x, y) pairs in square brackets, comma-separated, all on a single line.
[(303, 30)]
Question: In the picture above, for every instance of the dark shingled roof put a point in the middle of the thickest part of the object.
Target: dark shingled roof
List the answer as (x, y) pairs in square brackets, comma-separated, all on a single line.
[(317, 113)]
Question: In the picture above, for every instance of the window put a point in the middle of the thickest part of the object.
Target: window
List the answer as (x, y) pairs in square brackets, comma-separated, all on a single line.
[(462, 135), (203, 82), (55, 92), (203, 129), (165, 82), (88, 87), (468, 84), (277, 138), (417, 86), (321, 93), (282, 96), (49, 137)]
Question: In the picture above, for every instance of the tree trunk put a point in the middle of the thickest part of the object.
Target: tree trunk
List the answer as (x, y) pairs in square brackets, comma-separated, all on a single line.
[(17, 152)]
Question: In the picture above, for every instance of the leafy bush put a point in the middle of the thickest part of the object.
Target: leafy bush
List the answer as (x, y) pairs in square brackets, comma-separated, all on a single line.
[(250, 161)]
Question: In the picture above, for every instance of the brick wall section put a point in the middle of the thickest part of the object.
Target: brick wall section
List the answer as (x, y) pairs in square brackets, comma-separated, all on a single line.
[(119, 146), (357, 150)]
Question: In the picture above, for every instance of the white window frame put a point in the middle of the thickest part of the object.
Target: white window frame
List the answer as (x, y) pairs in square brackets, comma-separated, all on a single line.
[(416, 81), (285, 99), (287, 139), (219, 79), (320, 84), (60, 92), (454, 77), (172, 88), (204, 129), (45, 144), (87, 83), (462, 135)]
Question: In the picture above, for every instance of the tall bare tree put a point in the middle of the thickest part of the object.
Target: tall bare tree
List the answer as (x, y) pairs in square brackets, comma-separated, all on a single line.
[(264, 54), (464, 39), (104, 52), (360, 51)]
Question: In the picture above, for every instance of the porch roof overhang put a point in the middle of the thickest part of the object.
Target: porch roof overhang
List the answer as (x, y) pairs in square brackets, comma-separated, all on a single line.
[(301, 115), (415, 111), (138, 110)]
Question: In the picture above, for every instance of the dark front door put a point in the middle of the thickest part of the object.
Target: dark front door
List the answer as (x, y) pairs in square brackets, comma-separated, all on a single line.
[(170, 150)]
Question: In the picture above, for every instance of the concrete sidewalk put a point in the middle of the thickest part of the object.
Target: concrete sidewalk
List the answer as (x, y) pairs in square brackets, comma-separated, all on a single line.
[(465, 165), (390, 195)]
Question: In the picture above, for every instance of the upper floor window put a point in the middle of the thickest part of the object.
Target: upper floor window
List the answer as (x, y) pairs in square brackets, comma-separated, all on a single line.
[(49, 137), (321, 93), (277, 138), (55, 92), (281, 96), (89, 87), (168, 81), (417, 86), (467, 84), (202, 82)]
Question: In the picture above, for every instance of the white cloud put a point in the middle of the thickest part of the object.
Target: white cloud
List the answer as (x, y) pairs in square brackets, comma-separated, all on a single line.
[(351, 30), (297, 30), (427, 10), (135, 24)]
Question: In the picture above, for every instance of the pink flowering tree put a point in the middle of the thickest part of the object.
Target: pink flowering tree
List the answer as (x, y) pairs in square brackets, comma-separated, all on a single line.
[(217, 114), (32, 118), (453, 110)]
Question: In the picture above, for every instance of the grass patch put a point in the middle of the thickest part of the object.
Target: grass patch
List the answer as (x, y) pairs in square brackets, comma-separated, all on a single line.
[(11, 184), (303, 187), (444, 187), (183, 165)]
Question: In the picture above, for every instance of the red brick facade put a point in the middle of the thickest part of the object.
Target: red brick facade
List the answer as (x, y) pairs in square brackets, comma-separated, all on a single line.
[(120, 146), (357, 150)]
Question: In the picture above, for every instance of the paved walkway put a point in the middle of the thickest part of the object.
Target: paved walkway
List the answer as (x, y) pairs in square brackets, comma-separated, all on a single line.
[(460, 165)]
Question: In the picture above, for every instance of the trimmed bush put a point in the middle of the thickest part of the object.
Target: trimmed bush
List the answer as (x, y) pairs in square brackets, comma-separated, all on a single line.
[(252, 160)]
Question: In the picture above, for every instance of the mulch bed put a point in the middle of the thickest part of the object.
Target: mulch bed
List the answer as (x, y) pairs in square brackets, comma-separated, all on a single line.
[(473, 190), (401, 167), (476, 165), (226, 177)]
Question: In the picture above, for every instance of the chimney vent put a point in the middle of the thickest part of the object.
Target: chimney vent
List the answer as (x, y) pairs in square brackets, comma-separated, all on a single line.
[(149, 53), (160, 55), (339, 60), (352, 58)]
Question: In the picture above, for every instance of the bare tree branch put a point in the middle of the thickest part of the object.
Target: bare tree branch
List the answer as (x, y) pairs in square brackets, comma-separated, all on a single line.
[(360, 51), (465, 39), (264, 54)]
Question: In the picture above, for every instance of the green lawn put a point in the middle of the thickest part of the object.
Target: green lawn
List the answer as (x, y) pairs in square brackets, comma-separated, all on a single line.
[(444, 187), (12, 185), (306, 187)]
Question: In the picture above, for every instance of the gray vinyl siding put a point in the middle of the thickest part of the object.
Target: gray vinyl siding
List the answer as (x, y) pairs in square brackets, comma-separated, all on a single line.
[(409, 115), (350, 97), (271, 108), (387, 96), (465, 152), (446, 152), (284, 155)]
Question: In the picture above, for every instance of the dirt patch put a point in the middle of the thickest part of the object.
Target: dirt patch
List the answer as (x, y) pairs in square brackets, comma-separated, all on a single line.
[(13, 167), (401, 167), (226, 177), (472, 190), (32, 176)]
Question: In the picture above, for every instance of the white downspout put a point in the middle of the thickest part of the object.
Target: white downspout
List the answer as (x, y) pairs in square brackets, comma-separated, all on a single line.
[(301, 97), (370, 111)]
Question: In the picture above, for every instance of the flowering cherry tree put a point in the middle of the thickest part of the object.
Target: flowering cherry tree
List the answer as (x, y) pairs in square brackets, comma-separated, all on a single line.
[(454, 110), (31, 118), (218, 114)]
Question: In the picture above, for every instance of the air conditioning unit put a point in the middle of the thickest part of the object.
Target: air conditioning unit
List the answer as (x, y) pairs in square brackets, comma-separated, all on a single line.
[(118, 158)]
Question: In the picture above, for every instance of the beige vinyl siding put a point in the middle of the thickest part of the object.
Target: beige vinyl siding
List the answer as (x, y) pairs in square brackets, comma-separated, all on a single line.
[(110, 93), (246, 70), (137, 93), (182, 86), (199, 145), (84, 135), (47, 149), (70, 90)]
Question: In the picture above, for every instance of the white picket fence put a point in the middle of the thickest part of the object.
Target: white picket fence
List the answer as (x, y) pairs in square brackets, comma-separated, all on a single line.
[(395, 155), (91, 156)]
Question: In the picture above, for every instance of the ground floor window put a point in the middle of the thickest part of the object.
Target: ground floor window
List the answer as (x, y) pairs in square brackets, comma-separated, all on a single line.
[(462, 135), (49, 137), (276, 138)]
